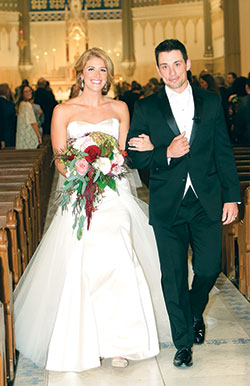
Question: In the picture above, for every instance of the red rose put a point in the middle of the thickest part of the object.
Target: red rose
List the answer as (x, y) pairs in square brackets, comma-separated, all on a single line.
[(71, 157), (93, 152)]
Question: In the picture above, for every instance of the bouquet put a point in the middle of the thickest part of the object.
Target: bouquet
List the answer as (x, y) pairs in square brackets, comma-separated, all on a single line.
[(93, 162)]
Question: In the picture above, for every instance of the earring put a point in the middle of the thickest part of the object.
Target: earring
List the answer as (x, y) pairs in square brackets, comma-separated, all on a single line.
[(105, 87), (82, 83)]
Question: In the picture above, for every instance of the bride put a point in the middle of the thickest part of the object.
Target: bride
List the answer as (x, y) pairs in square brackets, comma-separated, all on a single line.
[(82, 300)]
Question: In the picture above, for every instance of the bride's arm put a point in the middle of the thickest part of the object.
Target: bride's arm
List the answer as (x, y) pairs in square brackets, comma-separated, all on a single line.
[(123, 113), (59, 135)]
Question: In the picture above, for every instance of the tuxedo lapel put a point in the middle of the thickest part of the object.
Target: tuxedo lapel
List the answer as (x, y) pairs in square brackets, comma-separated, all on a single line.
[(198, 104), (167, 112)]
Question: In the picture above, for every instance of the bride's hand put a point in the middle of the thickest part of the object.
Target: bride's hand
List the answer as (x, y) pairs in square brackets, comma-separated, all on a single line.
[(141, 143)]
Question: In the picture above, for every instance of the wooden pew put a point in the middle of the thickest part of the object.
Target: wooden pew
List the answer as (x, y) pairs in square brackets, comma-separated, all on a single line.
[(32, 183), (6, 295), (241, 150), (244, 248), (230, 234), (17, 187), (3, 370), (8, 221), (242, 156), (242, 162), (10, 197), (17, 206), (44, 171)]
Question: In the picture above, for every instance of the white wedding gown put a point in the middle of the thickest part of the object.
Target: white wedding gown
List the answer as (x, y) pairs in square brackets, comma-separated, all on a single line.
[(80, 300)]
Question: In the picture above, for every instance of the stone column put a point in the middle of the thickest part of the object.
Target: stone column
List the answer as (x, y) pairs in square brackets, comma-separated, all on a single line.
[(128, 59), (232, 37), (208, 53), (25, 65)]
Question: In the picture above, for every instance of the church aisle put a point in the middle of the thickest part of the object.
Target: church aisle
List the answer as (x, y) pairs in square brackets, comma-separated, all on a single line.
[(222, 361)]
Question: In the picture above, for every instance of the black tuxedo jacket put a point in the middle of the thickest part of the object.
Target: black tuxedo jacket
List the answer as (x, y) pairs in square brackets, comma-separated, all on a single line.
[(210, 161)]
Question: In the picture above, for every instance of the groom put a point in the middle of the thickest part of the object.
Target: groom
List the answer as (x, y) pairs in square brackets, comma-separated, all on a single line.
[(193, 189)]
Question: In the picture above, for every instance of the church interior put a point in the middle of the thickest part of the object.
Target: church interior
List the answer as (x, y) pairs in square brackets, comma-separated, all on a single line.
[(44, 39)]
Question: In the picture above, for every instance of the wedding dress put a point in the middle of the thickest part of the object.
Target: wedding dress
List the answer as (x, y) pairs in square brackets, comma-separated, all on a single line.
[(79, 300)]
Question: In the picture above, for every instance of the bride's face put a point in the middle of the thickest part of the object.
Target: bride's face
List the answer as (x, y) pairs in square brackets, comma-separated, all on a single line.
[(95, 74)]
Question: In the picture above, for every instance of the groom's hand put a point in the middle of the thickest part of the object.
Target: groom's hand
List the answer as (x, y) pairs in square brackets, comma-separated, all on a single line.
[(230, 212), (178, 147)]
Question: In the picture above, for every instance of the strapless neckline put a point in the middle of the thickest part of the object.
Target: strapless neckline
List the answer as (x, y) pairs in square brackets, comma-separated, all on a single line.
[(93, 124)]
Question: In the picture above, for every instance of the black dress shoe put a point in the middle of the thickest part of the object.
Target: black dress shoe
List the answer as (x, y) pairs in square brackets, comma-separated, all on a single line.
[(199, 331), (183, 357)]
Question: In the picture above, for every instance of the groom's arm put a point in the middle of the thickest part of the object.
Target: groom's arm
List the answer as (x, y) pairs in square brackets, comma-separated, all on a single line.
[(138, 126), (159, 156), (225, 161)]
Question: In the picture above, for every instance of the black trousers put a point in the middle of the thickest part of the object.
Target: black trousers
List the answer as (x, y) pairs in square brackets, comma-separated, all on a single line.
[(191, 227)]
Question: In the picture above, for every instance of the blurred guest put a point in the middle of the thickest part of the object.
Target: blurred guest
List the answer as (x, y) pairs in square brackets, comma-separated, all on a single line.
[(193, 79), (39, 115), (203, 72), (7, 117), (48, 88), (237, 92), (207, 82), (25, 82), (28, 135), (231, 77), (239, 87), (220, 82), (152, 87), (131, 96), (45, 98), (241, 119)]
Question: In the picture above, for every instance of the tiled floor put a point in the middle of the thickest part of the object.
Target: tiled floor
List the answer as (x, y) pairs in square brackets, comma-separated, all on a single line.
[(224, 359)]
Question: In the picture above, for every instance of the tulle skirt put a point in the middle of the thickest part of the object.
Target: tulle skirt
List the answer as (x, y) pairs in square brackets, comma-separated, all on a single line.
[(100, 296)]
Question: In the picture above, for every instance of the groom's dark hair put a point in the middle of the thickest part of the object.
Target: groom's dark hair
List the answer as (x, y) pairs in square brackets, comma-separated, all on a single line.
[(170, 45)]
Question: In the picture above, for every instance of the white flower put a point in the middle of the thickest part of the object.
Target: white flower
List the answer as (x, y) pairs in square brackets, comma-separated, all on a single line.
[(104, 164), (67, 173)]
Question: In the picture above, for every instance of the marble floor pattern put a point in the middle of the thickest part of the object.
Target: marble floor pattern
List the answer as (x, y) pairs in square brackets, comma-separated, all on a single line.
[(223, 360)]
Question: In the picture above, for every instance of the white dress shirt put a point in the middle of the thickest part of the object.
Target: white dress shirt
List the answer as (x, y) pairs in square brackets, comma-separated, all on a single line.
[(182, 106)]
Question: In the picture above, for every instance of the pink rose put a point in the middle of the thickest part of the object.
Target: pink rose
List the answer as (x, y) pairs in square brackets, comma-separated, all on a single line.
[(83, 142), (87, 141), (82, 166)]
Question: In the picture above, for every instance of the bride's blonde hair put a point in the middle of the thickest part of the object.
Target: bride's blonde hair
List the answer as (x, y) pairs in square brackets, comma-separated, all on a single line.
[(98, 53)]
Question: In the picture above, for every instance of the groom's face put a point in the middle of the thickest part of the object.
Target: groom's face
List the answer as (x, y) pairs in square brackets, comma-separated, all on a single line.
[(173, 69)]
